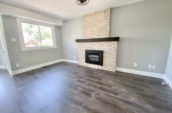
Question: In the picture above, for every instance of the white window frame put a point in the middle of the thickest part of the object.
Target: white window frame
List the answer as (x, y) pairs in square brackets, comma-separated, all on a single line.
[(23, 47)]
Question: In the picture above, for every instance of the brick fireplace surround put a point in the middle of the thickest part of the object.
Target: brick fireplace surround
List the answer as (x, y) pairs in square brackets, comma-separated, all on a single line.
[(109, 58), (95, 26)]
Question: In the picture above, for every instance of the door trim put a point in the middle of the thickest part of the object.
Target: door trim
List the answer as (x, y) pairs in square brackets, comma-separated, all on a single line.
[(6, 57)]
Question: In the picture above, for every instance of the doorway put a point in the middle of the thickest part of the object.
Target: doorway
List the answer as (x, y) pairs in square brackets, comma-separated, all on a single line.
[(4, 59)]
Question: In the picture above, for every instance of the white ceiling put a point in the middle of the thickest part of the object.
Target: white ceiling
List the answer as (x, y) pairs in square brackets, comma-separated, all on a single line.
[(66, 9)]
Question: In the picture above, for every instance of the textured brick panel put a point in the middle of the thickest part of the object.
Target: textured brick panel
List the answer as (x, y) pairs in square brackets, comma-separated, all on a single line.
[(97, 25), (109, 58)]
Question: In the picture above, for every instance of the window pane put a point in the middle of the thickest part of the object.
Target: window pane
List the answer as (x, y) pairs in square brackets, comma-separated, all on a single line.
[(46, 35), (31, 35)]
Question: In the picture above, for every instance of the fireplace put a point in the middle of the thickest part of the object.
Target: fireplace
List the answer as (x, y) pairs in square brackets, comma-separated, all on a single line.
[(98, 53), (94, 57)]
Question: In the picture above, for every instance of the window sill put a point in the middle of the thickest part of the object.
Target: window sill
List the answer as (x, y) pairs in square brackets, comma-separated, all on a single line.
[(37, 48)]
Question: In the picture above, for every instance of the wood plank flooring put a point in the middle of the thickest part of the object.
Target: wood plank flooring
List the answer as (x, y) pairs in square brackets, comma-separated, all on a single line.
[(69, 88)]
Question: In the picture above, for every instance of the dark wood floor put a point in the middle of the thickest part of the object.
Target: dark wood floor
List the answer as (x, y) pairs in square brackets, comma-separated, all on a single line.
[(69, 88)]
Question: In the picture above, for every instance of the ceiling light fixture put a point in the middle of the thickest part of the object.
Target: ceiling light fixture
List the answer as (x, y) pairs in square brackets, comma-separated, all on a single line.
[(82, 2)]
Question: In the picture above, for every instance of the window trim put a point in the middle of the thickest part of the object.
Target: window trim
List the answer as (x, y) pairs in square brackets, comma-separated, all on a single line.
[(22, 44)]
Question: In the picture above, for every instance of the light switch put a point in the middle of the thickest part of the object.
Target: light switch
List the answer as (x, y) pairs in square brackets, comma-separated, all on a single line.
[(13, 40)]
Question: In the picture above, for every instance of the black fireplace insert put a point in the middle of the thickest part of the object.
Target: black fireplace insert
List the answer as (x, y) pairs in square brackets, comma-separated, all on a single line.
[(94, 57)]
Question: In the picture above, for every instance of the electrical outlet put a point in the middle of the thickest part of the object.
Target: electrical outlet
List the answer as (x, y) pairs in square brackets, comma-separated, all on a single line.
[(135, 64), (74, 57), (153, 67), (13, 40), (17, 65), (150, 67)]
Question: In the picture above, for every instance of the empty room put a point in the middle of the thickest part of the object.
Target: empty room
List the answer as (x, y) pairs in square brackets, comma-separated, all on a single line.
[(85, 56)]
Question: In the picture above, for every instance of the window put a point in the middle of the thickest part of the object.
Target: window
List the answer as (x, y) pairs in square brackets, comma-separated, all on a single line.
[(35, 35)]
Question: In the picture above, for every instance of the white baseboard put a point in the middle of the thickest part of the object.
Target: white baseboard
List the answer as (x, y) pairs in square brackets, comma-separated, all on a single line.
[(34, 67), (70, 61), (143, 73), (41, 65), (137, 72), (149, 74), (2, 67), (168, 81)]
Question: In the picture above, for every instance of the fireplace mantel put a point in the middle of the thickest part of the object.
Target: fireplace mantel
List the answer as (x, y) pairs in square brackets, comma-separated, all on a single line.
[(107, 39)]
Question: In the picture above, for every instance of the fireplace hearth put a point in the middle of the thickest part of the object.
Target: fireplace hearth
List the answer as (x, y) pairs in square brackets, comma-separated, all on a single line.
[(94, 57)]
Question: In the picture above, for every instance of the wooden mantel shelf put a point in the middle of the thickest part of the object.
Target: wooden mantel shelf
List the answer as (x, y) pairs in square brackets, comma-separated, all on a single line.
[(107, 39)]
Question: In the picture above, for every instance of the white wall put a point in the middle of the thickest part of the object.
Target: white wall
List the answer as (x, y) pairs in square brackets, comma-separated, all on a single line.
[(71, 31), (145, 31), (10, 13), (28, 58)]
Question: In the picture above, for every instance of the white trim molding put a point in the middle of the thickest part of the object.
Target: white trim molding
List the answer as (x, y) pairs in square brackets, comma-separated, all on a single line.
[(2, 67), (20, 21), (137, 72), (5, 56), (35, 67), (168, 81), (41, 65), (70, 61), (142, 73)]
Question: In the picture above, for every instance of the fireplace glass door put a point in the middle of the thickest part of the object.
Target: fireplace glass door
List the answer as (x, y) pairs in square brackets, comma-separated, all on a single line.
[(94, 57)]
